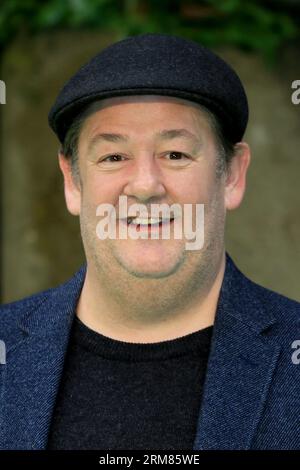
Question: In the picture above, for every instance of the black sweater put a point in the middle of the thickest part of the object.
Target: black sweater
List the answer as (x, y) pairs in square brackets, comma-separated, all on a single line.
[(119, 395)]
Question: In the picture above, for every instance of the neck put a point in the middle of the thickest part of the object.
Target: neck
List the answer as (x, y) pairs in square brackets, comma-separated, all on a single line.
[(105, 314)]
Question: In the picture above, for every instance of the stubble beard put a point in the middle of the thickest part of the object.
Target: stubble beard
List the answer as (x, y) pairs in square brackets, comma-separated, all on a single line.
[(145, 298)]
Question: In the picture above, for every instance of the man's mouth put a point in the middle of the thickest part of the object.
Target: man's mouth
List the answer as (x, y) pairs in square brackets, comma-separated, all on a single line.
[(149, 223)]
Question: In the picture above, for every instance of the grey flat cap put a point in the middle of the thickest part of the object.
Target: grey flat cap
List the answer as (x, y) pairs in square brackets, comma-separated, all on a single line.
[(160, 64)]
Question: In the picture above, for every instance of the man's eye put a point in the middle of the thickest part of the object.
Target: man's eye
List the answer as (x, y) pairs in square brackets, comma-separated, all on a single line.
[(177, 155), (112, 158), (174, 156)]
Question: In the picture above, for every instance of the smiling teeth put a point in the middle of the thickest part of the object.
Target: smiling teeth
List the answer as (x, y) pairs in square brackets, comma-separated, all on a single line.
[(140, 221)]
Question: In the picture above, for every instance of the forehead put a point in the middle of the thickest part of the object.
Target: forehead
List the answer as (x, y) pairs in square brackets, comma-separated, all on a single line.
[(141, 110), (139, 99)]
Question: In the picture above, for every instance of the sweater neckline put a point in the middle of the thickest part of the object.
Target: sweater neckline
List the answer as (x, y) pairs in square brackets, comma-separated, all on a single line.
[(98, 344)]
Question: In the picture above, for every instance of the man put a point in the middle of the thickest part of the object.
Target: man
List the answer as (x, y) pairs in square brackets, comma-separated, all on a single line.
[(153, 344)]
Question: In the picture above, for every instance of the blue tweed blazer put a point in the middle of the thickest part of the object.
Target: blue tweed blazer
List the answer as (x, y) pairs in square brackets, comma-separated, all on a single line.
[(252, 389)]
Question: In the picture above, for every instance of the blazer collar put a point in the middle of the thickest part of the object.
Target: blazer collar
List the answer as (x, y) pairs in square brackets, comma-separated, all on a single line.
[(237, 294), (60, 305)]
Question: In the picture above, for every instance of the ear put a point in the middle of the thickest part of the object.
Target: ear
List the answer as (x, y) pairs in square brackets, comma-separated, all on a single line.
[(71, 187), (236, 176)]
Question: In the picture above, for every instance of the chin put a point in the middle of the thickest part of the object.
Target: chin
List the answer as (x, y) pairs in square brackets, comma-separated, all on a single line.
[(150, 268)]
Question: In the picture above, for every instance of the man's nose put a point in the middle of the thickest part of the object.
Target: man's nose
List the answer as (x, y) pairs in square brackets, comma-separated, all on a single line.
[(146, 179)]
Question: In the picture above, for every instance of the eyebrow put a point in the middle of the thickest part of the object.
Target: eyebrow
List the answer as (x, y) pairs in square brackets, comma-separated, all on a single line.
[(165, 134)]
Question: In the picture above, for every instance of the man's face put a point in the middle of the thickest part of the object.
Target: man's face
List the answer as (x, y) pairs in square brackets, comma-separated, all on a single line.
[(141, 164)]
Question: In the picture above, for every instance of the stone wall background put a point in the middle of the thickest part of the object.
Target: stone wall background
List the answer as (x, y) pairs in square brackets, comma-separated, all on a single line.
[(41, 244)]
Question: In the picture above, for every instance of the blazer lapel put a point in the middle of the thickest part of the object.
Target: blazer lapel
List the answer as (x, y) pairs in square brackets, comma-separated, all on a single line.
[(240, 367), (34, 364)]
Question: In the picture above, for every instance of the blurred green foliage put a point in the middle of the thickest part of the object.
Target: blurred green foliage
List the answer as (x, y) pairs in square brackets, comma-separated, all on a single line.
[(250, 25)]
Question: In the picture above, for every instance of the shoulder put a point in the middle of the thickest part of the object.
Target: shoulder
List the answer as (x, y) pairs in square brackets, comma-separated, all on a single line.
[(260, 305), (284, 310), (281, 306), (11, 313)]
